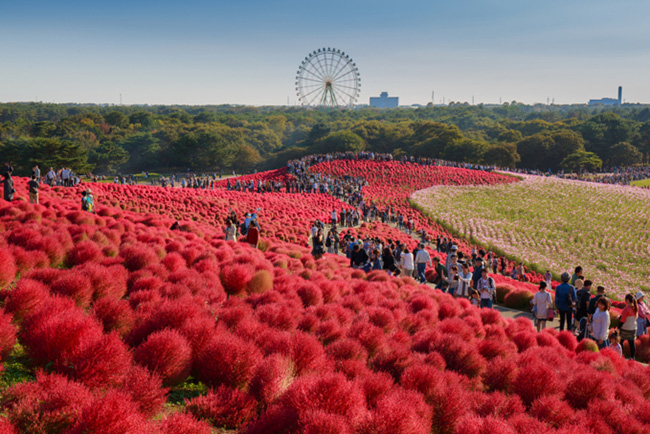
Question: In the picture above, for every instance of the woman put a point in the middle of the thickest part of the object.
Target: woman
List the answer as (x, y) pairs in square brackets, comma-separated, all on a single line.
[(600, 323), (452, 281), (317, 243), (253, 234), (644, 315), (406, 262), (230, 230), (464, 282), (388, 259), (375, 260), (8, 187), (542, 304), (627, 321)]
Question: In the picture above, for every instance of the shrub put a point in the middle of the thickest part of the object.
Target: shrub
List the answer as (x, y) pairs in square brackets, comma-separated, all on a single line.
[(261, 282), (587, 345), (235, 278), (107, 282), (525, 340), (271, 378), (519, 299), (503, 290), (7, 335), (392, 416), (183, 423), (146, 391), (310, 294), (167, 353), (500, 374), (111, 413), (460, 356), (553, 410), (76, 286), (115, 315), (223, 407), (491, 316), (103, 364), (138, 256), (8, 268), (587, 386), (568, 340), (319, 422), (26, 297), (534, 380), (85, 251), (498, 404), (227, 360), (487, 425)]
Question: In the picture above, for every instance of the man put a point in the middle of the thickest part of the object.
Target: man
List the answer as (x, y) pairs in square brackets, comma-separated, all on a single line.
[(50, 177), (600, 292), (422, 259), (8, 169), (577, 275), (333, 217), (358, 257), (37, 173), (452, 251), (485, 287), (441, 272), (476, 274), (33, 189), (583, 296), (87, 201), (565, 297)]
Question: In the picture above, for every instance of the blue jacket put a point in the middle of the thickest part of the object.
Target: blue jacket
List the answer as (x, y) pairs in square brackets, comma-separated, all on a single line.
[(562, 294)]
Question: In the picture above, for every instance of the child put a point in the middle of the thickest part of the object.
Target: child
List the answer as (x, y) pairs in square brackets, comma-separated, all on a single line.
[(615, 343), (473, 297)]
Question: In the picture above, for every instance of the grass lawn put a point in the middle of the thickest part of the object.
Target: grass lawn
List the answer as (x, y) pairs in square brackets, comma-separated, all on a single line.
[(642, 183)]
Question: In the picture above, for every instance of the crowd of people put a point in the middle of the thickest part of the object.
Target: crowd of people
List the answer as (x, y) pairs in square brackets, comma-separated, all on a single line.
[(615, 175)]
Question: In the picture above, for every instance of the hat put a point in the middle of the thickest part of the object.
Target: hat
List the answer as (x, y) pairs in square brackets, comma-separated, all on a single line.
[(88, 190), (638, 295), (454, 247), (565, 277)]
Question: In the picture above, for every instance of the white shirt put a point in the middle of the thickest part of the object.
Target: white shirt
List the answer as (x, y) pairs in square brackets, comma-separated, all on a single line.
[(406, 261), (484, 284), (542, 301), (423, 257)]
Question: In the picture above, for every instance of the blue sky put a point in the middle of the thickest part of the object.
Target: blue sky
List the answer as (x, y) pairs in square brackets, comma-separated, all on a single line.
[(247, 52)]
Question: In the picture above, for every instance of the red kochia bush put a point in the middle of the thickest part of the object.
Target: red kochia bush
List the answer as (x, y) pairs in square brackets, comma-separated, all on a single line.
[(111, 413), (224, 407), (271, 378), (145, 389), (76, 286), (138, 256), (115, 315), (227, 360), (391, 415), (588, 386), (7, 267), (183, 423), (85, 251), (51, 404), (535, 379), (167, 353), (26, 297), (7, 335), (102, 364), (235, 278), (587, 345), (552, 410)]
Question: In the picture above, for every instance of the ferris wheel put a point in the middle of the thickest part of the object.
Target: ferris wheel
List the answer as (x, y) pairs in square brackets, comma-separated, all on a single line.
[(329, 78)]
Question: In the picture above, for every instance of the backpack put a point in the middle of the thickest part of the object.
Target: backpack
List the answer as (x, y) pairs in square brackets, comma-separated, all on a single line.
[(243, 229), (583, 301)]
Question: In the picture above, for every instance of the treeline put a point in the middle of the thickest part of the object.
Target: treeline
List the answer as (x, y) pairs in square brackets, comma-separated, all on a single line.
[(131, 139)]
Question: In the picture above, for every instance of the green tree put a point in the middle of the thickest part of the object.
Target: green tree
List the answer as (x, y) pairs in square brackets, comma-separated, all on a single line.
[(430, 138), (624, 154), (246, 158), (143, 149), (340, 141), (117, 119), (501, 154), (581, 160), (108, 157)]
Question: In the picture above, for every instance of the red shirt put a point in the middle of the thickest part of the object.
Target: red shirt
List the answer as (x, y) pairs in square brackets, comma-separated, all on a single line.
[(253, 235)]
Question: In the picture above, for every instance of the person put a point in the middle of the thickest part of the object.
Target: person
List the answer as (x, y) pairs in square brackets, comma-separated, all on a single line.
[(600, 292), (36, 172), (253, 234), (615, 343), (474, 298), (230, 230), (464, 282), (358, 257), (422, 259), (644, 315), (375, 259), (452, 281), (87, 201), (406, 262), (476, 274), (334, 217), (565, 297), (49, 177), (485, 286), (441, 273), (388, 259), (33, 186), (332, 241), (577, 274), (8, 190), (542, 303), (583, 296), (452, 251), (627, 321), (548, 277), (600, 323)]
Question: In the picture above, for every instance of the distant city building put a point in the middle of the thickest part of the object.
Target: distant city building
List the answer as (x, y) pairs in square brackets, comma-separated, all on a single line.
[(609, 101), (384, 101)]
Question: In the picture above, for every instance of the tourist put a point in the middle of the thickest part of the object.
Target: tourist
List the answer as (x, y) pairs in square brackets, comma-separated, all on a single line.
[(375, 259), (332, 242), (388, 259), (87, 201), (464, 282), (452, 281), (317, 244), (583, 296), (33, 186), (253, 234), (644, 315), (441, 273), (230, 230), (600, 292), (359, 258), (478, 269), (474, 298), (565, 297), (576, 275), (486, 287), (542, 304), (8, 189), (615, 343), (627, 323), (406, 262), (600, 323), (422, 259)]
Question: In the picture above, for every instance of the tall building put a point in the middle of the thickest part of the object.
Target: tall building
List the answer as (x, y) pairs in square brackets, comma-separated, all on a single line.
[(384, 101), (609, 101)]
